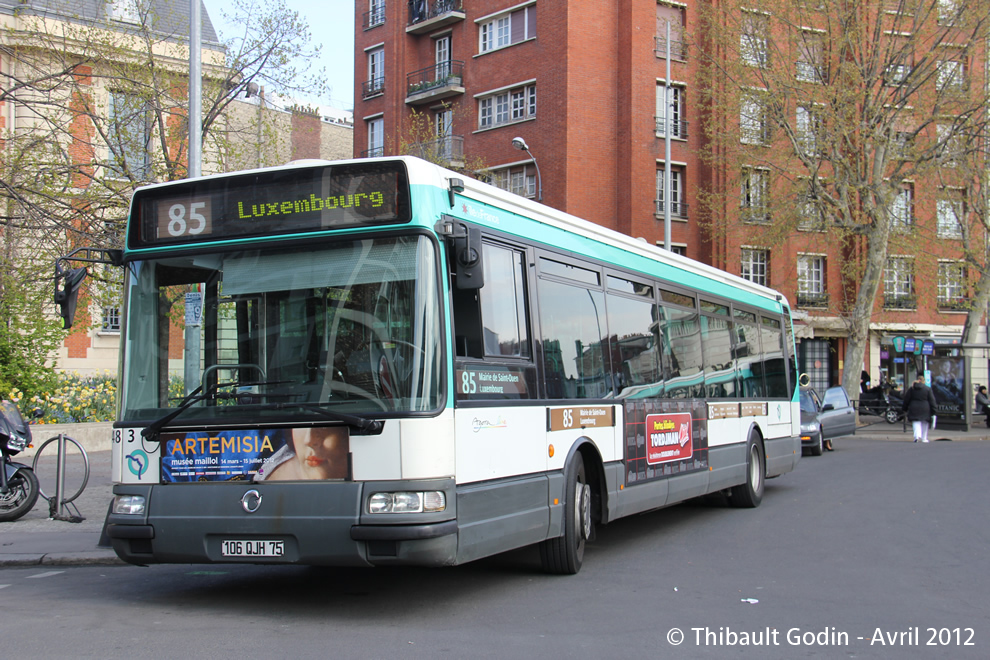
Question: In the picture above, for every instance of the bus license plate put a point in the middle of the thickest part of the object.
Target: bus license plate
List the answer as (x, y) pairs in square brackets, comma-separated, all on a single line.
[(245, 548)]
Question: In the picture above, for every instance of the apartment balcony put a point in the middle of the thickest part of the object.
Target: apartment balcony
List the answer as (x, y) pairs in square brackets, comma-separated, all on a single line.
[(900, 301), (374, 87), (813, 300), (678, 128), (678, 210), (434, 83), (429, 15), (447, 151), (678, 49)]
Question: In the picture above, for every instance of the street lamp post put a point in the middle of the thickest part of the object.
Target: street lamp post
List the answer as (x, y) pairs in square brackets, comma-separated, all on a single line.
[(521, 145)]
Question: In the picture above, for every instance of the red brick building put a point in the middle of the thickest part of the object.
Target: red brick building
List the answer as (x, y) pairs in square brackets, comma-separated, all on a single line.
[(578, 81), (584, 83)]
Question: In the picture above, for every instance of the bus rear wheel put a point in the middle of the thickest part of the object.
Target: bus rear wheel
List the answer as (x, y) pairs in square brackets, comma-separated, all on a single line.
[(749, 494), (565, 554)]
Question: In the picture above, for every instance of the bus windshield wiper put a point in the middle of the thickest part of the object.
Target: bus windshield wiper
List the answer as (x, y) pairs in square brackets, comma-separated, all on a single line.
[(152, 430), (372, 426)]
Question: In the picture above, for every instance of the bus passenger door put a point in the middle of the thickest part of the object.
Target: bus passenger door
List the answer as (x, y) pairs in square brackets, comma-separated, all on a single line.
[(498, 435)]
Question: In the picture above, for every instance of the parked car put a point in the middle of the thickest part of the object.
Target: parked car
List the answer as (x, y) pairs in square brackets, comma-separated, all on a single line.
[(824, 418)]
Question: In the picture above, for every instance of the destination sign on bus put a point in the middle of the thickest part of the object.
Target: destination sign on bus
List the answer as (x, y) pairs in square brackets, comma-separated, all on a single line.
[(271, 202)]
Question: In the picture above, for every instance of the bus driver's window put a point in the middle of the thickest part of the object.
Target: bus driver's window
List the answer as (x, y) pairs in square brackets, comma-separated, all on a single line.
[(503, 303)]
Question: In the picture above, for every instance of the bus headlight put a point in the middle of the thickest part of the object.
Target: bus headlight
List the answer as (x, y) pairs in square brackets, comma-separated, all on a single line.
[(407, 502), (132, 505)]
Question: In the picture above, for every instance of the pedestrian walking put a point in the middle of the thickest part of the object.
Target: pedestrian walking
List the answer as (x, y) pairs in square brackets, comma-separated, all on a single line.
[(919, 404)]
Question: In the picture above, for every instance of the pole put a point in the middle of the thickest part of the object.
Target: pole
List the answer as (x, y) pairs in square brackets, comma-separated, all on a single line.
[(195, 91), (666, 149)]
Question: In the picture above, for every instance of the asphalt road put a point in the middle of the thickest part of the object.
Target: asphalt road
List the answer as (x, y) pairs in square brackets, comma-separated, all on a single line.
[(876, 550)]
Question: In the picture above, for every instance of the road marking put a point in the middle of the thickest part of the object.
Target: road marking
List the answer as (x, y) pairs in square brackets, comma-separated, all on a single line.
[(44, 575), (4, 586)]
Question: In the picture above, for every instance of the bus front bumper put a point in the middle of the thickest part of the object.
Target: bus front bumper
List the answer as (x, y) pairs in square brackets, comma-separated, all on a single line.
[(318, 523)]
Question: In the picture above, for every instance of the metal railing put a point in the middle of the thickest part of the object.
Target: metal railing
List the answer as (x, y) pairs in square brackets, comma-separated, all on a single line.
[(678, 127), (677, 209), (373, 87), (437, 76), (423, 10), (442, 150), (812, 299), (678, 49), (374, 18), (900, 302)]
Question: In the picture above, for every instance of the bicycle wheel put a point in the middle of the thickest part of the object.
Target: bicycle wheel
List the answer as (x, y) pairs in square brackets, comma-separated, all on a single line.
[(72, 460)]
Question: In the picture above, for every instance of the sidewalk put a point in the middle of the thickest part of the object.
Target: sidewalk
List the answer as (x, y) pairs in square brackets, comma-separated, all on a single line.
[(37, 540), (875, 428)]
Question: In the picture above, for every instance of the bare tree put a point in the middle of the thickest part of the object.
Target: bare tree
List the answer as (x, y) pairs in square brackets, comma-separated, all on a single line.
[(97, 104), (823, 112)]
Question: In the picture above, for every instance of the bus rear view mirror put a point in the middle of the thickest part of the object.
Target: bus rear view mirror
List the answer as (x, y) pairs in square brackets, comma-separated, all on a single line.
[(67, 295), (468, 261)]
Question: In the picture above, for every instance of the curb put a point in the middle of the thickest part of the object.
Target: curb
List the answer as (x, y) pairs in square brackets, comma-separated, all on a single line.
[(96, 558)]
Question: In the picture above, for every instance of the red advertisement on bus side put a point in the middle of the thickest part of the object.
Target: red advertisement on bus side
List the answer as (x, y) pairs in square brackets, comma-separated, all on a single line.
[(668, 438)]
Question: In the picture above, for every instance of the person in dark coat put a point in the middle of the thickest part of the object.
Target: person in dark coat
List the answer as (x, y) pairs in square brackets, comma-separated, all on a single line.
[(983, 403), (919, 404)]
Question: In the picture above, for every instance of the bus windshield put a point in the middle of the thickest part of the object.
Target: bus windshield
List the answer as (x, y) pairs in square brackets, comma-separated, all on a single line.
[(270, 334)]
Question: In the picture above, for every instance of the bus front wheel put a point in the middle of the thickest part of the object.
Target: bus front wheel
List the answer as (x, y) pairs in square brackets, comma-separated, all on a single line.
[(565, 554), (750, 493)]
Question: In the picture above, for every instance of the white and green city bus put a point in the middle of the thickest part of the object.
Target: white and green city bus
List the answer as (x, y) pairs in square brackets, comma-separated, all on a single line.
[(379, 362)]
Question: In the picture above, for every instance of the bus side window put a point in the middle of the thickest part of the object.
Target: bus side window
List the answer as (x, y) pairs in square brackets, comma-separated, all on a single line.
[(503, 303), (493, 321)]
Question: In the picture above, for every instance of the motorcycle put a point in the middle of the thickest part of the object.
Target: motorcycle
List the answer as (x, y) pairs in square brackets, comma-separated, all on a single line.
[(882, 401), (19, 487)]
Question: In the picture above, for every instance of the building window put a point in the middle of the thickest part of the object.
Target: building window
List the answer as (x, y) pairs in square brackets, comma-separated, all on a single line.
[(111, 319), (754, 265), (377, 14), (902, 210), (810, 213), (811, 291), (517, 104), (520, 180), (125, 11), (949, 144), (950, 76), (755, 195), (376, 72), (754, 47), (376, 137), (896, 74), (952, 285), (810, 65), (903, 145), (948, 11), (441, 48), (808, 128), (754, 125), (496, 32), (950, 212), (898, 283), (129, 117), (670, 112), (675, 17), (678, 208)]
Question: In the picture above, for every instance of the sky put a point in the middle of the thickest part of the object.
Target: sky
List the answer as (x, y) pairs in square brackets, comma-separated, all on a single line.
[(331, 24)]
